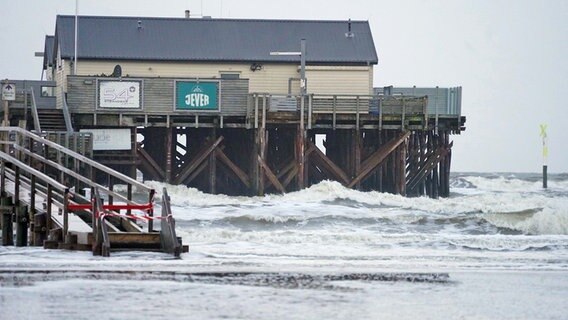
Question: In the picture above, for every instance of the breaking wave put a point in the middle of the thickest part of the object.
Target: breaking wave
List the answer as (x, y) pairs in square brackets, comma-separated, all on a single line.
[(497, 201)]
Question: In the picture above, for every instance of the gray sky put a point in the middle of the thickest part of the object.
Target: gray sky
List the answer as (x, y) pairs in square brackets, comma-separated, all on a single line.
[(509, 56)]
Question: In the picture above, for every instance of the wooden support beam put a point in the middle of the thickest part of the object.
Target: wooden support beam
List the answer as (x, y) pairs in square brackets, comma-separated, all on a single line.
[(356, 145), (185, 172), (327, 164), (271, 177), (234, 168), (300, 156), (286, 169), (150, 164), (213, 168), (431, 162), (7, 225), (291, 174), (22, 226), (196, 172), (401, 179), (378, 157)]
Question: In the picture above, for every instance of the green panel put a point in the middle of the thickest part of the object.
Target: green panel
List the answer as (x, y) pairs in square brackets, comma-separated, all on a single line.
[(193, 95)]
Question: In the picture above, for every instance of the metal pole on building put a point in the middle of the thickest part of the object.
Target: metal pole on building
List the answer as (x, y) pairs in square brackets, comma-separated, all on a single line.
[(76, 27), (303, 84), (544, 156), (302, 54)]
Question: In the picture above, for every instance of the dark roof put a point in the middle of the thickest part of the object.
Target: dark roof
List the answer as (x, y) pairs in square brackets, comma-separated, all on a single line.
[(48, 53), (178, 39)]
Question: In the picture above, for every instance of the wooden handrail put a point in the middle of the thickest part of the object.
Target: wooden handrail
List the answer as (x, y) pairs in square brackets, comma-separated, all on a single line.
[(170, 242), (77, 156), (35, 115), (66, 114), (51, 184)]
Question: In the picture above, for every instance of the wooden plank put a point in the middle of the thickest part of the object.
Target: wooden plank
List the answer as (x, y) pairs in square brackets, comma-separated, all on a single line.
[(291, 174), (134, 237), (378, 157), (429, 165), (300, 156), (335, 170), (291, 164), (185, 172), (169, 241), (196, 172), (271, 177), (151, 163), (234, 168)]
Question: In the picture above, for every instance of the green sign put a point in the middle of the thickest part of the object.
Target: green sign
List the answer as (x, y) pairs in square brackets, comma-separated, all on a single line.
[(194, 95)]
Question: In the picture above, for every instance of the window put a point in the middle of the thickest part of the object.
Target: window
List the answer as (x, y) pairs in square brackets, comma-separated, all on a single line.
[(47, 91), (230, 75)]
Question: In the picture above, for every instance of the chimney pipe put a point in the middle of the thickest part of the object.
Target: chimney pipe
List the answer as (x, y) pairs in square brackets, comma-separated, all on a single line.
[(187, 14), (349, 33)]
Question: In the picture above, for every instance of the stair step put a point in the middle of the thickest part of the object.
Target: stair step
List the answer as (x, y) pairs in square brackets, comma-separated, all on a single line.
[(135, 240), (51, 120)]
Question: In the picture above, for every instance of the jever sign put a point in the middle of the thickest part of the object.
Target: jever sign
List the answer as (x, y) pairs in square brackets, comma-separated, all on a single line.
[(194, 95)]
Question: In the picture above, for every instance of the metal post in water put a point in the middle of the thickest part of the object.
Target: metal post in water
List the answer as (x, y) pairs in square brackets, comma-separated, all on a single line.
[(544, 156)]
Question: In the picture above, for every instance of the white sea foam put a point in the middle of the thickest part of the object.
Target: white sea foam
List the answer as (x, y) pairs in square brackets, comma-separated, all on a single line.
[(331, 199)]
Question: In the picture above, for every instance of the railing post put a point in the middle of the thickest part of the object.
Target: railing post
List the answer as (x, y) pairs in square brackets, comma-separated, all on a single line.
[(32, 192), (129, 196), (3, 178), (357, 113), (264, 111), (49, 201), (151, 211), (17, 186), (310, 102), (380, 113), (403, 117), (302, 107), (334, 111), (255, 97), (66, 216)]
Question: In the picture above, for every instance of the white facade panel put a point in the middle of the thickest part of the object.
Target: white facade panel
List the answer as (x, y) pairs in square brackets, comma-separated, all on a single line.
[(110, 139)]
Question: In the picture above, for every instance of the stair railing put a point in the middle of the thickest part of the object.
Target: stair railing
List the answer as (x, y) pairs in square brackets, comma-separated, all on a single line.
[(66, 114), (35, 115), (31, 148), (168, 237)]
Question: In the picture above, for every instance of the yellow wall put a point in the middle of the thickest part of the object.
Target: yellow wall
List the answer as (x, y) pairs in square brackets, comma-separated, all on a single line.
[(273, 78)]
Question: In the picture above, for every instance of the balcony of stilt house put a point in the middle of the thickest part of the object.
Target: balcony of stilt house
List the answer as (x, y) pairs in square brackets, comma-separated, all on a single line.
[(258, 143)]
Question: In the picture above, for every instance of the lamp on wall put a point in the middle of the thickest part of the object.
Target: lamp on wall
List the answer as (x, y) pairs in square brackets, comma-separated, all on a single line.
[(255, 67)]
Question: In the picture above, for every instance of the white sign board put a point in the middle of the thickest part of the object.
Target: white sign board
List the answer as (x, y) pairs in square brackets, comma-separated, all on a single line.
[(110, 139), (9, 92), (119, 94)]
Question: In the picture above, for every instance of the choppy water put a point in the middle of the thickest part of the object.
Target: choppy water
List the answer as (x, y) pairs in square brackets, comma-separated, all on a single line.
[(497, 249)]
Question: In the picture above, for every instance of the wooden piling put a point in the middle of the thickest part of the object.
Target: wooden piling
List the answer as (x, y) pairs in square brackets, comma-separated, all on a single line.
[(7, 226), (39, 229), (22, 223), (300, 157)]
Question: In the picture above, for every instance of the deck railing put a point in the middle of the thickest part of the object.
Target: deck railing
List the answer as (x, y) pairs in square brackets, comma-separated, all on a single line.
[(336, 105)]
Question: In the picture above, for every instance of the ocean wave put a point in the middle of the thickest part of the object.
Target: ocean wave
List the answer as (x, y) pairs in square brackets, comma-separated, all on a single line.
[(545, 221), (509, 243), (329, 199), (509, 182)]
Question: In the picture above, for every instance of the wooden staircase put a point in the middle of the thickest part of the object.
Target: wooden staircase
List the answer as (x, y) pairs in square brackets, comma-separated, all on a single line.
[(51, 119), (40, 183)]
